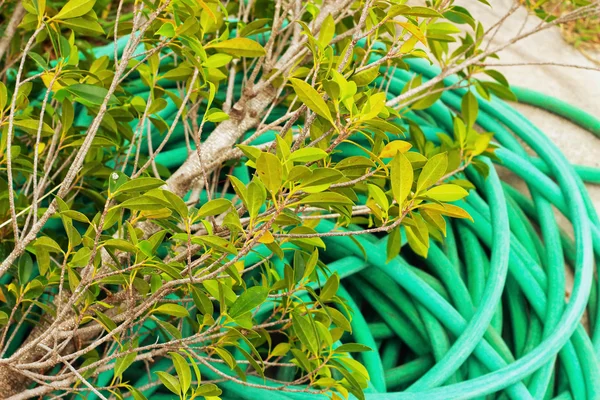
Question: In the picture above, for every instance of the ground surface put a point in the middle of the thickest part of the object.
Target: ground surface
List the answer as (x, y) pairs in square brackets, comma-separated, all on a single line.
[(575, 86)]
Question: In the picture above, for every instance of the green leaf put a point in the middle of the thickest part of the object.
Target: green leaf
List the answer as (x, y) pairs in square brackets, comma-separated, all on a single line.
[(422, 12), (326, 199), (308, 154), (447, 209), (305, 332), (81, 257), (142, 184), (136, 394), (3, 318), (123, 363), (174, 310), (142, 203), (31, 126), (250, 151), (433, 171), (446, 192), (75, 8), (3, 96), (214, 207), (379, 196), (313, 100), (47, 244), (365, 77), (239, 47), (256, 198), (460, 131), (25, 268), (280, 350), (169, 381), (352, 348), (327, 31), (301, 359), (393, 244), (184, 372), (215, 242), (208, 391), (115, 181), (120, 244), (84, 26), (270, 171), (500, 90), (173, 201), (435, 219), (401, 177), (215, 115), (248, 300), (217, 60), (419, 246), (320, 179), (330, 288), (169, 328), (469, 108), (91, 94), (339, 319), (167, 30), (202, 301)]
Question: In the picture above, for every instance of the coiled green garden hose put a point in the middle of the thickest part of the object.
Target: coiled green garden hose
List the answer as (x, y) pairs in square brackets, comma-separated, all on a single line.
[(485, 315)]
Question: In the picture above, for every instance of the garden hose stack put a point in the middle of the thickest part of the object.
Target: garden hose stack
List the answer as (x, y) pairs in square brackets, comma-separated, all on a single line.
[(488, 314)]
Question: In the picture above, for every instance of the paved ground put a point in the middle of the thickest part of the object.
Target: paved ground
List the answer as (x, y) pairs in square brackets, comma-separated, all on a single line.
[(576, 86)]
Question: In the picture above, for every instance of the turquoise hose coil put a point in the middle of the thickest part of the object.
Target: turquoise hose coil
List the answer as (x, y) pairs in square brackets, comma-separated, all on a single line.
[(484, 316)]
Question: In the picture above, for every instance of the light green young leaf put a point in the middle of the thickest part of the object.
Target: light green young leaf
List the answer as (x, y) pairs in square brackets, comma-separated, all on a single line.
[(432, 171), (447, 192), (176, 202), (401, 177), (256, 198), (75, 8), (142, 184), (47, 244), (308, 154), (169, 381), (214, 207), (327, 31), (313, 100), (326, 199), (365, 77), (84, 26), (31, 126), (3, 318), (377, 194), (239, 47), (270, 171), (171, 309), (460, 131), (415, 241), (3, 96), (208, 391), (447, 209)]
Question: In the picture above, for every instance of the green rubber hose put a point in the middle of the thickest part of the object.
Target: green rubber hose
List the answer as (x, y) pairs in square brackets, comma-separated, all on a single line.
[(485, 315)]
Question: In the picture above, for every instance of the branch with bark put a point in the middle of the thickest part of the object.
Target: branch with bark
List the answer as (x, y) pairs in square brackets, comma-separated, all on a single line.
[(164, 191)]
